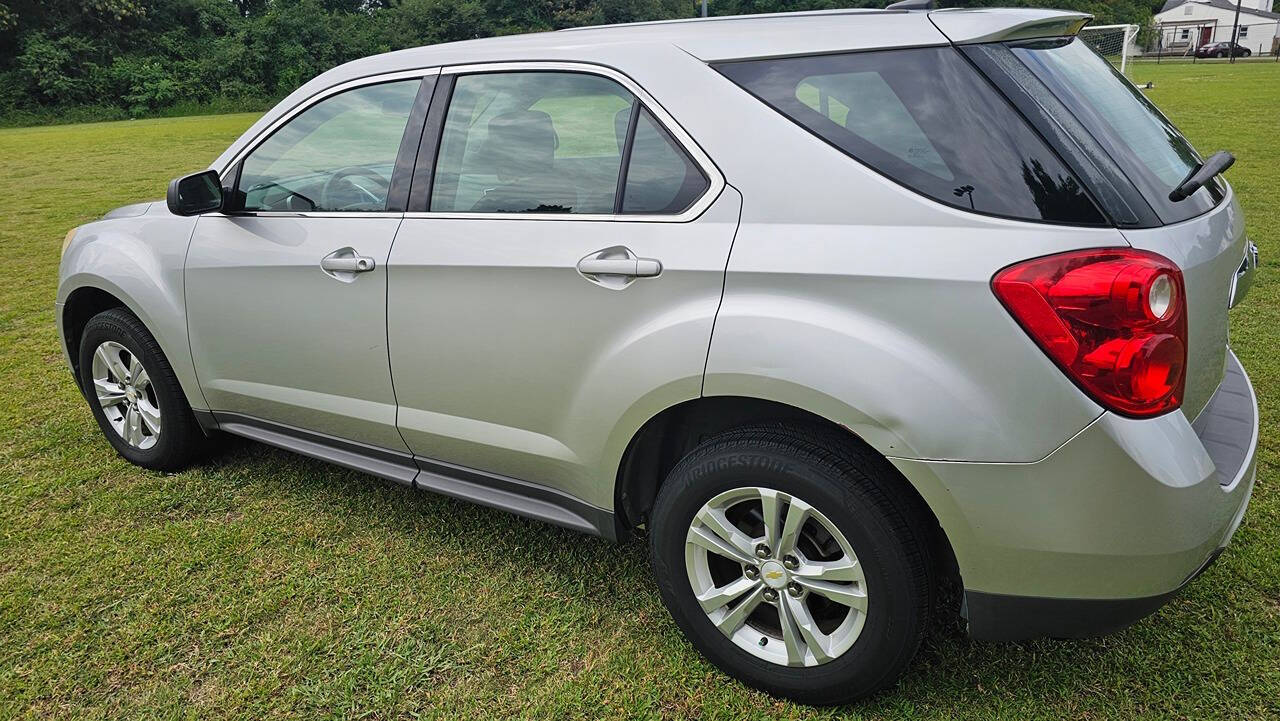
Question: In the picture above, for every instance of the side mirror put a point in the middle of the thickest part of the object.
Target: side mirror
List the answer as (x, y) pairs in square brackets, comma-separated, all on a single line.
[(195, 194)]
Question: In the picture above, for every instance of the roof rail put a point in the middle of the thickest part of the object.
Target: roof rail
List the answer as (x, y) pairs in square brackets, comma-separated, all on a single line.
[(724, 18)]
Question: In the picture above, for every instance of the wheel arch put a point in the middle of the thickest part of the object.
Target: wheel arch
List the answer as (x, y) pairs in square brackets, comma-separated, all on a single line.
[(85, 296), (82, 304), (669, 435), (136, 262)]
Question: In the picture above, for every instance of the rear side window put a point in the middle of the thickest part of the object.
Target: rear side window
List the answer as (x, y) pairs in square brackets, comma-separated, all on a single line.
[(1150, 150), (660, 177), (924, 118)]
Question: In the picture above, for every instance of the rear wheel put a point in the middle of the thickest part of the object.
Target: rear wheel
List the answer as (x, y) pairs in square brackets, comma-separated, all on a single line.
[(789, 559), (134, 393)]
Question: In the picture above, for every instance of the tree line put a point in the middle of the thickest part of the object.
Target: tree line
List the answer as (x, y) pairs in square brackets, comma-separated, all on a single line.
[(100, 59)]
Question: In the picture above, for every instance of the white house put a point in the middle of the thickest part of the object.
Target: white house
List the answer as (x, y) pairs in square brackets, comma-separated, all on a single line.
[(1185, 25)]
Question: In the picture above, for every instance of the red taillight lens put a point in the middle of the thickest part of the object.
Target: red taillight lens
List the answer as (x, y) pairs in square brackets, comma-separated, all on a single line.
[(1114, 319)]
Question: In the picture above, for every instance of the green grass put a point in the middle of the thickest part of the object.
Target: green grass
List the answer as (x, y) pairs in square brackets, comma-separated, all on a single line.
[(265, 585), (100, 113)]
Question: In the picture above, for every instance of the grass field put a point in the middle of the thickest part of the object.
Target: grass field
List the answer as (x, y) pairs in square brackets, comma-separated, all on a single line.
[(265, 585)]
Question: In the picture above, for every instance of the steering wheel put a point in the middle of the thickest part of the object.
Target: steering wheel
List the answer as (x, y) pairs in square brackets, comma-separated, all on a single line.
[(341, 176)]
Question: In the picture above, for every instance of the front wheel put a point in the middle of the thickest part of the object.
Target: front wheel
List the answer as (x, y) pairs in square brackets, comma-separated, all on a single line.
[(134, 393), (792, 561)]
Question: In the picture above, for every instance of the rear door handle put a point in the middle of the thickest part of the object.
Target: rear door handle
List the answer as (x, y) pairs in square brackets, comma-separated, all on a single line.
[(344, 263), (635, 267), (617, 267)]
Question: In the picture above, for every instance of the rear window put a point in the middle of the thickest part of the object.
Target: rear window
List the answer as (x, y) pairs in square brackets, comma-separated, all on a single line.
[(1148, 148), (924, 118)]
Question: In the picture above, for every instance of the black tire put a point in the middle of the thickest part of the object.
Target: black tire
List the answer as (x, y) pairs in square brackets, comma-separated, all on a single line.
[(1245, 53), (1220, 54), (858, 491), (180, 440)]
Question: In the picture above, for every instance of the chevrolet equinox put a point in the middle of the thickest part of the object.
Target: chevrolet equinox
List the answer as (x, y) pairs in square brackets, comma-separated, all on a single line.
[(856, 316)]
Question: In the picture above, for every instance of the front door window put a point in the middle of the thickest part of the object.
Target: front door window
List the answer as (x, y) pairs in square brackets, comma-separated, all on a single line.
[(336, 155)]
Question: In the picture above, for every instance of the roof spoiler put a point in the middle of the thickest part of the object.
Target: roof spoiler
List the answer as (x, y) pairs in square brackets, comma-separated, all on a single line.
[(910, 5), (980, 25)]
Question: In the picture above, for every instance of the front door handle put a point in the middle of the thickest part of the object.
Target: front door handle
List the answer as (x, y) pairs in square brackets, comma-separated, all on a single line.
[(343, 264), (617, 267)]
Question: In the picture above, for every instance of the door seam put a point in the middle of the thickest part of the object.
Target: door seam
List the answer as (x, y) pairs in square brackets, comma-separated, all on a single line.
[(186, 315), (724, 281), (386, 332)]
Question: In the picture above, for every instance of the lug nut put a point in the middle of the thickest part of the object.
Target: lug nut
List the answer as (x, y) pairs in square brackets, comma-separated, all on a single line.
[(751, 572), (794, 589), (770, 594), (762, 551), (791, 563)]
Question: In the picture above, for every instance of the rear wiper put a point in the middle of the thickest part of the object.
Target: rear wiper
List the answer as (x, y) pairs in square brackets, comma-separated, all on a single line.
[(1216, 163)]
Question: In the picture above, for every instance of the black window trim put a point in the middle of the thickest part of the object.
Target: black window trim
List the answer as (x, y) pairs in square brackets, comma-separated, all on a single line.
[(624, 167), (427, 156), (406, 157), (429, 146)]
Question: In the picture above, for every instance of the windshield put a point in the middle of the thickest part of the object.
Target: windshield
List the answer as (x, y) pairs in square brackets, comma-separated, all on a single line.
[(1138, 137)]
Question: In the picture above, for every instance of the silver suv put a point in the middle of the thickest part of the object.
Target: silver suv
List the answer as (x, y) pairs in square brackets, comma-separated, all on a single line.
[(859, 317)]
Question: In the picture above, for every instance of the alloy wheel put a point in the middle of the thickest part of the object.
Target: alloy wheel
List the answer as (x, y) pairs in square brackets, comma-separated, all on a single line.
[(776, 576), (123, 388)]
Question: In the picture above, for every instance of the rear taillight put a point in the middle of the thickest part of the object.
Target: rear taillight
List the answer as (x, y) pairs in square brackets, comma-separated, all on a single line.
[(1114, 319)]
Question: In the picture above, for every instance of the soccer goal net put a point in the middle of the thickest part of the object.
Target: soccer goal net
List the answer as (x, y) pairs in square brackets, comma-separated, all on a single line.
[(1113, 42)]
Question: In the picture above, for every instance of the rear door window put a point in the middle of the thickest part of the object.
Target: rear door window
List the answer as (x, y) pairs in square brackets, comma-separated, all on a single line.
[(924, 118), (557, 142), (531, 142)]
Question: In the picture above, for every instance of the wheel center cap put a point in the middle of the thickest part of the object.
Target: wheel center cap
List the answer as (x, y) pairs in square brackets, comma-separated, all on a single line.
[(774, 574), (131, 394)]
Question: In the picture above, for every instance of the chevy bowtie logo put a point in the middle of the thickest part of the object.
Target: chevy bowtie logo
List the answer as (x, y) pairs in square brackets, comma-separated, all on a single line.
[(773, 575)]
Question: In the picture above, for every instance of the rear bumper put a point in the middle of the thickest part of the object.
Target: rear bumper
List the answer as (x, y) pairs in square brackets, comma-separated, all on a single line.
[(1107, 528), (996, 617)]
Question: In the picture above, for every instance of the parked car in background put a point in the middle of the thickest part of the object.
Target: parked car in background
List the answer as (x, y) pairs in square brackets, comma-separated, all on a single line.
[(840, 310), (1223, 50)]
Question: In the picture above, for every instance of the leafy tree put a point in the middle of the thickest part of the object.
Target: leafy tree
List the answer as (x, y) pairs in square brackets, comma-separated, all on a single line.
[(134, 57)]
